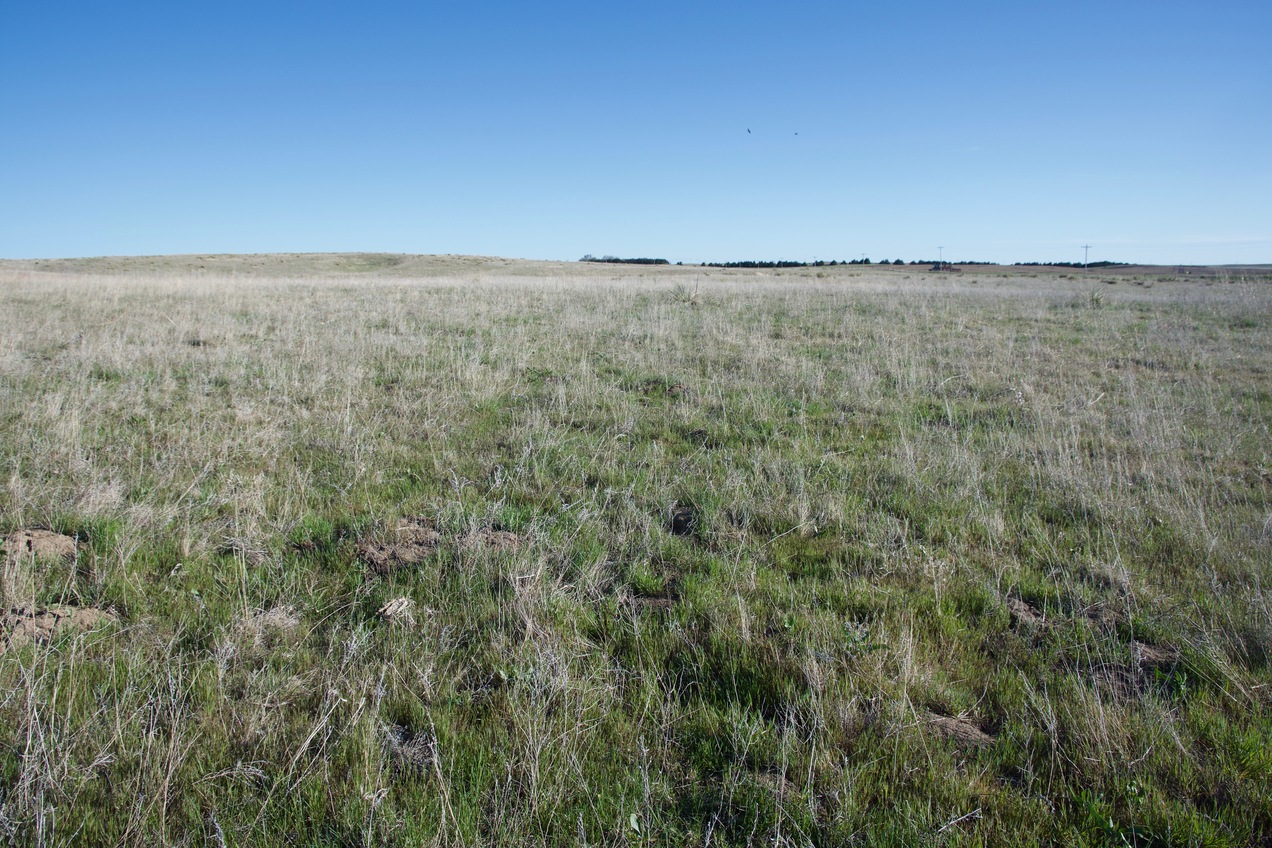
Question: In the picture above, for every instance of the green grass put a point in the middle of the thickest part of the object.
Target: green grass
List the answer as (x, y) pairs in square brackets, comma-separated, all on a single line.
[(879, 473)]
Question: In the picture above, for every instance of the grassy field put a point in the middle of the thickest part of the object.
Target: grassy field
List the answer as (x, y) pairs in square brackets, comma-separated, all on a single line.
[(478, 553)]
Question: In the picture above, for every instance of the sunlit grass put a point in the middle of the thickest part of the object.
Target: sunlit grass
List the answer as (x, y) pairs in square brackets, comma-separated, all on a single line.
[(789, 560)]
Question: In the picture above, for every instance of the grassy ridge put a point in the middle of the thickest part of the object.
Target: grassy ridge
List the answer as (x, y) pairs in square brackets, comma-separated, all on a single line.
[(799, 561)]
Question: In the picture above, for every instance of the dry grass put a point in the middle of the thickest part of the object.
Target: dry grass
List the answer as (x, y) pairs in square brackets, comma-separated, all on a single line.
[(698, 558)]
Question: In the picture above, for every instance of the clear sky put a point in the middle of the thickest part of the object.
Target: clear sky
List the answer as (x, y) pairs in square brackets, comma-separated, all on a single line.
[(1003, 131)]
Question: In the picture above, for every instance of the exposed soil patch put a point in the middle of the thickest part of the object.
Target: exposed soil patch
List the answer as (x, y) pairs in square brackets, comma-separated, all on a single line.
[(960, 731), (413, 541), (21, 625), (40, 544)]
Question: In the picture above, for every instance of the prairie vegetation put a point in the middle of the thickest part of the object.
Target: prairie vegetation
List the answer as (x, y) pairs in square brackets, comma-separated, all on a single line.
[(634, 557)]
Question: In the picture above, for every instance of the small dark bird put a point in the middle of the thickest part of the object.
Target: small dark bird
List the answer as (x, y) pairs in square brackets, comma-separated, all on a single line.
[(748, 132), (684, 521)]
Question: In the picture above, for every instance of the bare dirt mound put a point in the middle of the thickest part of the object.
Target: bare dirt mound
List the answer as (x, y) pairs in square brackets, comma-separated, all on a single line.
[(21, 625), (413, 541), (40, 544)]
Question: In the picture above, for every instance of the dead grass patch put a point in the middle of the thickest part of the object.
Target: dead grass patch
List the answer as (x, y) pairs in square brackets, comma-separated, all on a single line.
[(265, 628), (494, 540)]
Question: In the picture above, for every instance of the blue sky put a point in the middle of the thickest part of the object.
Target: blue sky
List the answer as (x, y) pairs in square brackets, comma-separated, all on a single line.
[(1003, 131)]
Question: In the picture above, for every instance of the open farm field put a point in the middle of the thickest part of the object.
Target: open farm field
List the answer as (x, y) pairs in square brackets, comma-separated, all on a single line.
[(487, 553)]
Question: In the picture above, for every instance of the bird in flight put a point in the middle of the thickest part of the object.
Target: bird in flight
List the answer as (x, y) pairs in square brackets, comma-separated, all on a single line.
[(748, 132)]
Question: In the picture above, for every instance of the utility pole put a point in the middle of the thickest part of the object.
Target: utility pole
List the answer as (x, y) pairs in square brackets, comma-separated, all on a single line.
[(1085, 248), (941, 254)]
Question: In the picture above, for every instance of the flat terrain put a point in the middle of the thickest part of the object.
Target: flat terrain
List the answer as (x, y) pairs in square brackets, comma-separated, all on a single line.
[(357, 265), (386, 550)]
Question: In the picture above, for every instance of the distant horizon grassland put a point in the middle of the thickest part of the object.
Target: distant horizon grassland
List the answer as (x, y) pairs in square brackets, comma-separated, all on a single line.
[(603, 556), (305, 265)]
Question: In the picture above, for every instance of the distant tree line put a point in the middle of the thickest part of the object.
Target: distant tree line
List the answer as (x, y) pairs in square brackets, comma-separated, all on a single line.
[(614, 260), (754, 263), (948, 262), (791, 263), (1100, 264), (788, 263)]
